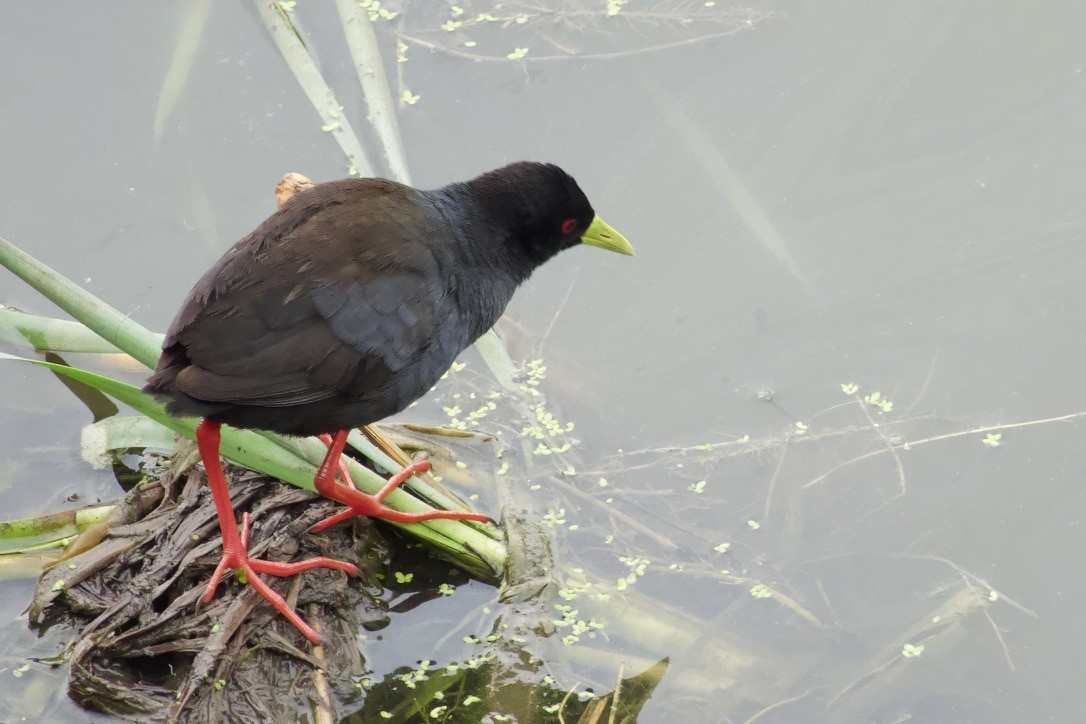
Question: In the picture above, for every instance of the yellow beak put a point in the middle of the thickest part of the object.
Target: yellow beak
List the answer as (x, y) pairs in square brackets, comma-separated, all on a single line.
[(599, 233)]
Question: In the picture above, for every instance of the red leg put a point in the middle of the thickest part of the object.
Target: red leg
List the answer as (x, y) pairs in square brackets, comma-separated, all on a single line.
[(343, 471), (235, 543), (360, 503)]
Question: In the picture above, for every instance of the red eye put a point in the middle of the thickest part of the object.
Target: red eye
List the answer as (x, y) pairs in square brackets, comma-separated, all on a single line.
[(569, 225)]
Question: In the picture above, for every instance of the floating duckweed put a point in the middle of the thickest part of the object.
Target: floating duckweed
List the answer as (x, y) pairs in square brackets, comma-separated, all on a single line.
[(754, 525), (698, 487), (992, 440), (602, 483), (445, 589), (615, 6), (911, 652), (849, 388), (569, 470), (503, 469), (385, 714), (329, 127), (404, 577), (760, 591), (517, 53), (18, 673), (553, 708), (456, 10), (409, 98), (801, 428), (493, 637), (451, 25), (722, 548), (876, 399), (993, 596), (470, 699), (461, 465), (554, 517), (59, 585)]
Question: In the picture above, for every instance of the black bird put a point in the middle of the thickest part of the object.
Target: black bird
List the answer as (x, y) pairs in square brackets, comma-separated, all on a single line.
[(345, 306)]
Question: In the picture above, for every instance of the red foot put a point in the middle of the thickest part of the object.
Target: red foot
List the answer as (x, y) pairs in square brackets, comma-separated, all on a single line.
[(359, 503), (236, 546)]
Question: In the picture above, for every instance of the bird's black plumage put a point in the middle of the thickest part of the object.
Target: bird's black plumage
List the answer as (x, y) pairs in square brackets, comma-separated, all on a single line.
[(351, 300)]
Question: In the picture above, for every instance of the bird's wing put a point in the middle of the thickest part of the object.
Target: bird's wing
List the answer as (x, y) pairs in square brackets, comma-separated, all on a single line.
[(302, 325)]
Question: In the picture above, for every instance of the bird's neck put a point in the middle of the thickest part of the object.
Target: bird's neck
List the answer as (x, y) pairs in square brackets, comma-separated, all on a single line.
[(487, 227), (488, 268)]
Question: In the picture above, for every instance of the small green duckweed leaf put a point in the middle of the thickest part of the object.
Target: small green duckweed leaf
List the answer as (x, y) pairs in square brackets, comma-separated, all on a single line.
[(911, 652)]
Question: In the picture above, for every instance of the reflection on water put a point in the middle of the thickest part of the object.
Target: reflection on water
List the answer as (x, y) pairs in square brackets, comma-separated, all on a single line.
[(833, 196)]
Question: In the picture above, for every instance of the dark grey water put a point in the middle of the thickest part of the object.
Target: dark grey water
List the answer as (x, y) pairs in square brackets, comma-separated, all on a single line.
[(885, 195)]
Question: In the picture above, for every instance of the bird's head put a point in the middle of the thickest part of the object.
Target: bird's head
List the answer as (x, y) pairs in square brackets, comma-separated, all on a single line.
[(543, 210)]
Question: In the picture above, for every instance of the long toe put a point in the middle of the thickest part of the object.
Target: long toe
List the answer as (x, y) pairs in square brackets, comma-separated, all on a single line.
[(239, 560)]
